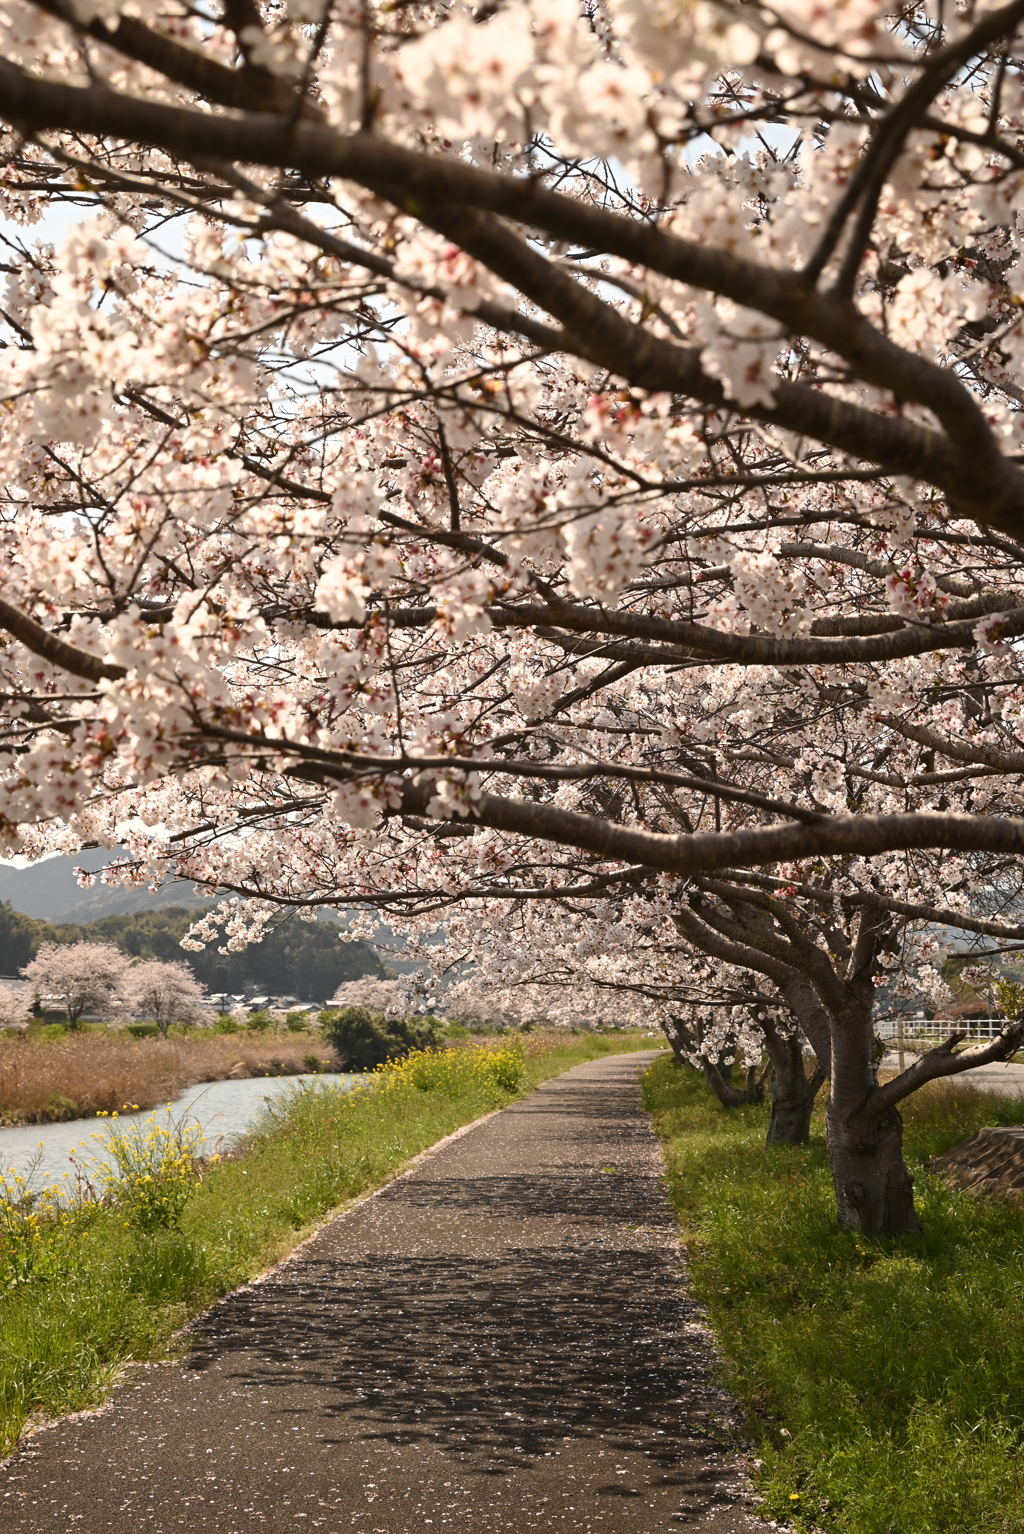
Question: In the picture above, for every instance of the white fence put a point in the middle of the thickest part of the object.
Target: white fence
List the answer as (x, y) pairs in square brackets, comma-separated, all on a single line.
[(921, 1030)]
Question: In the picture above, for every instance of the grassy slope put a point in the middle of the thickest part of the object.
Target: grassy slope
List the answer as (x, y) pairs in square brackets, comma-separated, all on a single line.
[(884, 1381), (116, 1295)]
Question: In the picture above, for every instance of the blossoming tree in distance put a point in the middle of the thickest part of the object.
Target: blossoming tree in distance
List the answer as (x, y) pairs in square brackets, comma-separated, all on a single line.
[(165, 991), (542, 450), (77, 977)]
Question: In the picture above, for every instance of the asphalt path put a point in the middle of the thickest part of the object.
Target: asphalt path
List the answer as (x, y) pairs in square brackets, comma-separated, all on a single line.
[(500, 1340)]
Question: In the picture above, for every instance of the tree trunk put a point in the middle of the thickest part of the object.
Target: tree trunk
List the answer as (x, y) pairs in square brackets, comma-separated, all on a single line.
[(792, 1091), (716, 1073), (874, 1190), (672, 1034), (718, 1076)]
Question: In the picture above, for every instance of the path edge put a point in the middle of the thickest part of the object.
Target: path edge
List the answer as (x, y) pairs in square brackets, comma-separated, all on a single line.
[(339, 1212)]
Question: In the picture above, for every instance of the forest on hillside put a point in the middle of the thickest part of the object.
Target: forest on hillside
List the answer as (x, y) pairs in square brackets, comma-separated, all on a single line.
[(304, 959)]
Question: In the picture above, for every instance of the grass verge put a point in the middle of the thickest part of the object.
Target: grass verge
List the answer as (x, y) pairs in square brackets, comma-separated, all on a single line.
[(884, 1381), (83, 1295)]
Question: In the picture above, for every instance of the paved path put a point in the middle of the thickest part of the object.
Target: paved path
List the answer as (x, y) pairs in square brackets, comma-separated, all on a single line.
[(497, 1342)]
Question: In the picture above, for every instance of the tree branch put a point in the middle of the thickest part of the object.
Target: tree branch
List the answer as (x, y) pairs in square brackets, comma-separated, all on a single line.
[(943, 1061)]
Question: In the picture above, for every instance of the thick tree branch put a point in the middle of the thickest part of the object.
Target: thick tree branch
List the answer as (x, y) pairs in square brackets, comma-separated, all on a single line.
[(967, 466), (49, 646), (944, 1061), (914, 910)]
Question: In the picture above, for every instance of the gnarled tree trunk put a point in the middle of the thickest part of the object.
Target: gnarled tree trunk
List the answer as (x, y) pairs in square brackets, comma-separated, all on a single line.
[(874, 1190), (715, 1071), (791, 1090), (718, 1077)]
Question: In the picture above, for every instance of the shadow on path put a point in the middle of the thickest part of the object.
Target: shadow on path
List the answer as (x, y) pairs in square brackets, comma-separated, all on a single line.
[(498, 1341)]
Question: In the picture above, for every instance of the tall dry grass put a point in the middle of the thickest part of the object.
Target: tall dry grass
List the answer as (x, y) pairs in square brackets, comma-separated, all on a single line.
[(44, 1081), (952, 1110)]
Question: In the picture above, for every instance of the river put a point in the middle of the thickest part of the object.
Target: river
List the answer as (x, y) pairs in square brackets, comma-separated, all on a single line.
[(223, 1109)]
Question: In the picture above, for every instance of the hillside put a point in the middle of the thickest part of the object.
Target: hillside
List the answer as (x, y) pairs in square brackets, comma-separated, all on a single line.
[(49, 889), (303, 959)]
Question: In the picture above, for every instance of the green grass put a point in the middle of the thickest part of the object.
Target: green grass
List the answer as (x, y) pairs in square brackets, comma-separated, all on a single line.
[(884, 1381), (85, 1297)]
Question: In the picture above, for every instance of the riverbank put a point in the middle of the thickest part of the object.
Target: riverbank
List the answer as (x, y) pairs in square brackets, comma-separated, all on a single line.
[(221, 1110), (50, 1080), (89, 1299), (883, 1381), (52, 1076)]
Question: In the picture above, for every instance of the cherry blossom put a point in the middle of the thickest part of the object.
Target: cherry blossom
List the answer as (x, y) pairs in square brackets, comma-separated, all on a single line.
[(545, 460)]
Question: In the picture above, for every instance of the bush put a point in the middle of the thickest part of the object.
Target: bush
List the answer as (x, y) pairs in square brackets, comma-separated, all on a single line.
[(456, 1072), (152, 1172), (259, 1021), (365, 1039), (38, 1233), (226, 1024), (142, 1030)]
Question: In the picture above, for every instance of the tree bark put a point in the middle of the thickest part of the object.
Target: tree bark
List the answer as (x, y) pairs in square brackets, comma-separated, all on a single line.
[(791, 1090), (874, 1190), (675, 1042), (718, 1076), (716, 1073)]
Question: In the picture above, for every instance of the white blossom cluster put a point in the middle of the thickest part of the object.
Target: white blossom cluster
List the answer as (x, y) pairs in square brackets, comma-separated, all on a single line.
[(558, 464)]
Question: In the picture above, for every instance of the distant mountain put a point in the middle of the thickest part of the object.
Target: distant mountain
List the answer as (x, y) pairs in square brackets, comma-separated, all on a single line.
[(306, 960), (50, 890)]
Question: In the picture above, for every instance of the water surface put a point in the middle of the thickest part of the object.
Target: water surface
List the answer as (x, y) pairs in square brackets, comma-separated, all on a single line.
[(223, 1109)]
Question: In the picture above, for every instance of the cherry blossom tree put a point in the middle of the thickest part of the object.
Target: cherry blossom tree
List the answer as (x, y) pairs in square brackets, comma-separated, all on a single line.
[(547, 452), (819, 952), (622, 965), (164, 990), (15, 1005), (390, 998), (81, 977)]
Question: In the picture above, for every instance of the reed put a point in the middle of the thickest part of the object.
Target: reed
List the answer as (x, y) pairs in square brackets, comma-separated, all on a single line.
[(44, 1081)]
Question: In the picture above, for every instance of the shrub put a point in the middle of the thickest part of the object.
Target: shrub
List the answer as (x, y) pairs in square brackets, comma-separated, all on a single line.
[(259, 1021), (226, 1024), (152, 1172), (365, 1039), (38, 1232), (489, 1072), (142, 1030)]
